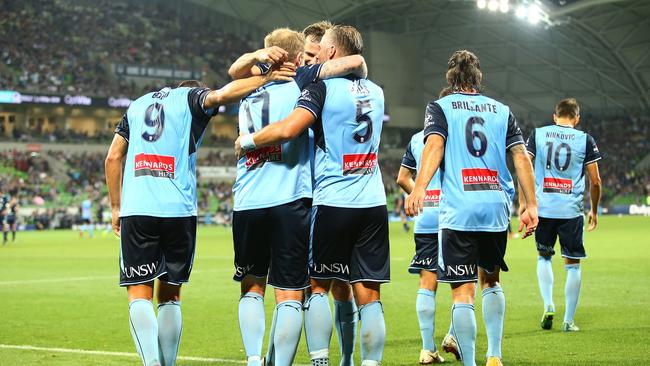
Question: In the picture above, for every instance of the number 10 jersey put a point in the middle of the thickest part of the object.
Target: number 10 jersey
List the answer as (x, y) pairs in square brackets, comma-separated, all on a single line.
[(477, 188)]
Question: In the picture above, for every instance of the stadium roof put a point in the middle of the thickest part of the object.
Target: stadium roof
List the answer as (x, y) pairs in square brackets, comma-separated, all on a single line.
[(595, 50)]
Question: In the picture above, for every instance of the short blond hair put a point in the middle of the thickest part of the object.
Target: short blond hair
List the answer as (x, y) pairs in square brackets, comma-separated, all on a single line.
[(288, 39), (347, 38)]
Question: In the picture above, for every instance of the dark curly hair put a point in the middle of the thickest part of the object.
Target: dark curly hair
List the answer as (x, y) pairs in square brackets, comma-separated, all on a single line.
[(464, 71)]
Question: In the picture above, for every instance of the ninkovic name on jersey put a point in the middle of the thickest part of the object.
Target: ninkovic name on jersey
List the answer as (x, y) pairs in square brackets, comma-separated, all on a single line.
[(479, 179), (557, 185), (159, 166), (432, 198), (359, 163)]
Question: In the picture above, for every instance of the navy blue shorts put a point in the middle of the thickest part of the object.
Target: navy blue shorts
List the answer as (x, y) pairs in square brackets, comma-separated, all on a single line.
[(426, 254), (156, 247), (463, 252), (350, 244), (273, 242), (570, 232)]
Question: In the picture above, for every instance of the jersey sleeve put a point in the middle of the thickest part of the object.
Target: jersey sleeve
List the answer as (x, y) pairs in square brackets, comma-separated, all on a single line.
[(306, 75), (435, 121), (122, 128), (531, 145), (312, 98), (408, 160), (514, 136), (196, 99), (592, 154)]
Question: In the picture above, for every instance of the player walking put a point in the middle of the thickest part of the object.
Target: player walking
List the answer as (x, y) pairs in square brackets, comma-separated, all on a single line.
[(12, 217), (473, 132), (154, 209), (86, 218), (562, 154), (350, 229)]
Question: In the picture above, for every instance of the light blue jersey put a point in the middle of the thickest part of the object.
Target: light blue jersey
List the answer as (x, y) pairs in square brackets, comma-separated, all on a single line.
[(477, 188), (164, 129), (349, 117), (561, 154), (427, 221), (272, 175), (86, 209)]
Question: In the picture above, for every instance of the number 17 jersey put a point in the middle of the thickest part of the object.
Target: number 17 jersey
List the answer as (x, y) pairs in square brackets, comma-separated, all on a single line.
[(477, 188)]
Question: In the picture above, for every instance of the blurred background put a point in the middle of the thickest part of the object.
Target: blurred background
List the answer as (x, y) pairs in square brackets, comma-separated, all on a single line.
[(70, 68)]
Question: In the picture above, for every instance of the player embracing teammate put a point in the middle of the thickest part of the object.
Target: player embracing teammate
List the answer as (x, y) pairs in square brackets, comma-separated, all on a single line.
[(467, 135)]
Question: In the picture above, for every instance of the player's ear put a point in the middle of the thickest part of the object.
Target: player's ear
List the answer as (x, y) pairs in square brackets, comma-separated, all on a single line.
[(577, 121), (554, 118), (299, 58)]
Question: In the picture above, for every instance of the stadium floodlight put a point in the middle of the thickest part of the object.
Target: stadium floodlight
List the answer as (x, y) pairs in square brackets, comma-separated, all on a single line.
[(481, 4), (493, 5), (504, 6), (534, 14), (521, 12)]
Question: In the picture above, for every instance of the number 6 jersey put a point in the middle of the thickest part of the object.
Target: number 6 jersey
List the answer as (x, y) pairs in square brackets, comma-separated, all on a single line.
[(164, 129), (561, 154), (477, 188), (349, 115)]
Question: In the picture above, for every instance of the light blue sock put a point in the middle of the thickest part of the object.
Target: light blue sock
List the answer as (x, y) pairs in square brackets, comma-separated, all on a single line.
[(170, 327), (318, 328), (91, 230), (494, 309), (144, 330), (251, 325), (373, 331), (270, 351), (345, 320), (545, 280), (572, 290), (425, 305), (464, 324), (286, 337)]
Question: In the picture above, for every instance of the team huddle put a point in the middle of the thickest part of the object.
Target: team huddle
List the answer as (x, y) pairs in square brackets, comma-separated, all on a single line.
[(310, 213)]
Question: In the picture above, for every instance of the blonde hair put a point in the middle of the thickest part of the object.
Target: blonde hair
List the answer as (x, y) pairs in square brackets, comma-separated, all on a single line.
[(347, 38), (289, 40)]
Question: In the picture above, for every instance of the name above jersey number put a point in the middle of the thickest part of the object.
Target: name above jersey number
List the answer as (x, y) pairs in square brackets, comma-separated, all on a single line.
[(158, 166), (432, 198), (256, 159), (480, 179), (360, 164), (557, 185)]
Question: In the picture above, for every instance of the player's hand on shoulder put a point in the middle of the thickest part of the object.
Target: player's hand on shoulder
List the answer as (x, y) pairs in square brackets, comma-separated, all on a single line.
[(282, 74), (592, 221), (414, 203), (271, 55)]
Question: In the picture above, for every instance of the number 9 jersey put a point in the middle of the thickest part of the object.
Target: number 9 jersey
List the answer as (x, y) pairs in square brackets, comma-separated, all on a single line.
[(349, 115), (477, 189), (164, 130), (561, 154)]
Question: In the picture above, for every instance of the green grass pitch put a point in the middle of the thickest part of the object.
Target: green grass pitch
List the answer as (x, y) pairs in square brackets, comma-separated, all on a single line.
[(58, 291)]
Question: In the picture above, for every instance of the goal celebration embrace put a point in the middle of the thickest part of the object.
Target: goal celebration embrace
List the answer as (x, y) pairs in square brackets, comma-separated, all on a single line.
[(325, 183)]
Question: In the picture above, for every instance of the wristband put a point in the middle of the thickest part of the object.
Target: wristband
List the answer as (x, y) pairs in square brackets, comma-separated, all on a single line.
[(247, 142)]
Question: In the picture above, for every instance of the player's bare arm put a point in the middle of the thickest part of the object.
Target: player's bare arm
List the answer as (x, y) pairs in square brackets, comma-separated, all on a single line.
[(354, 64), (276, 133), (520, 192), (405, 179), (113, 168), (524, 169), (245, 65), (595, 187), (235, 90), (432, 154)]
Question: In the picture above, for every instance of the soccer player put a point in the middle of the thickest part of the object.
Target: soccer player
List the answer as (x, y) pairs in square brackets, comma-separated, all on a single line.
[(154, 208), (425, 260), (86, 218), (4, 206), (257, 63), (12, 214), (313, 35), (473, 132), (350, 225), (562, 154)]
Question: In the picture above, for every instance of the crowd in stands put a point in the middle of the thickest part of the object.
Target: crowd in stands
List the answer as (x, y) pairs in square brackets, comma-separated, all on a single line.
[(65, 47)]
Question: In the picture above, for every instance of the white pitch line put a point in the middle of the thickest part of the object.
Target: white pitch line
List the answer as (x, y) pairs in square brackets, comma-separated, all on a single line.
[(113, 353), (108, 353)]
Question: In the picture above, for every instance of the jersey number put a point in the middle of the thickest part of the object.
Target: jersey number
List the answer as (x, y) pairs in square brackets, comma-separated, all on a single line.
[(472, 134), (154, 117), (265, 98), (364, 122), (556, 159)]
